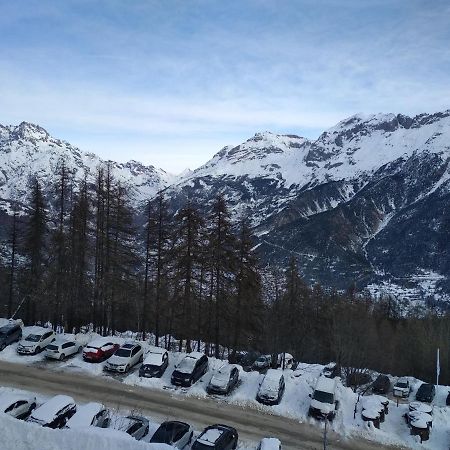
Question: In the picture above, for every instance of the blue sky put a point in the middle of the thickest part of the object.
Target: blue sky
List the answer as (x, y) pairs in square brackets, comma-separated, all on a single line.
[(171, 82)]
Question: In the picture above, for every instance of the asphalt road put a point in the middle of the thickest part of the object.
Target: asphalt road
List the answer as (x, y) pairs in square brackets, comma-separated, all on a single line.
[(252, 425)]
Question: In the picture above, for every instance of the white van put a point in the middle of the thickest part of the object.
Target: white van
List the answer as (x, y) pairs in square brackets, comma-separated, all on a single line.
[(323, 400)]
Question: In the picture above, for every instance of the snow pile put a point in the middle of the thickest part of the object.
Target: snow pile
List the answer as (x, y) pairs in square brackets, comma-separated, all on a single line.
[(19, 435)]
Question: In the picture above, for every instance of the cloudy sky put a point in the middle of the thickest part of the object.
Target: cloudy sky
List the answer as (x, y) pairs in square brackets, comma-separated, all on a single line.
[(171, 82)]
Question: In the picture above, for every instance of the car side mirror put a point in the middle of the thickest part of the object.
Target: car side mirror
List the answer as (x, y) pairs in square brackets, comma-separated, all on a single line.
[(309, 395)]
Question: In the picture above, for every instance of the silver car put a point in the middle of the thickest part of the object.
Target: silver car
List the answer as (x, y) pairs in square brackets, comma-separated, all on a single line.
[(17, 405)]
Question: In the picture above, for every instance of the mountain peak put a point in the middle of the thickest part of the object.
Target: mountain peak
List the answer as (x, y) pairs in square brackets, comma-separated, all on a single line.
[(26, 130)]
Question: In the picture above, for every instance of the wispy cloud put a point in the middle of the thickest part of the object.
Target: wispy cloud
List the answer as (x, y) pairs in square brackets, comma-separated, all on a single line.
[(165, 79)]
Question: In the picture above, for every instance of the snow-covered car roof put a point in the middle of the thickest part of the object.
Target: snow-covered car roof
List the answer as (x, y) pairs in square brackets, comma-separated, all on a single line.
[(154, 358), (271, 380), (270, 444), (124, 423), (84, 415), (46, 412), (402, 380), (62, 340), (188, 362), (420, 419), (325, 384), (210, 436), (35, 330), (7, 399), (101, 342)]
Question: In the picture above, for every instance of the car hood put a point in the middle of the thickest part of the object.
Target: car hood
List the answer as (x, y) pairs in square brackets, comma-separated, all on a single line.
[(28, 344), (218, 382), (118, 360), (326, 408)]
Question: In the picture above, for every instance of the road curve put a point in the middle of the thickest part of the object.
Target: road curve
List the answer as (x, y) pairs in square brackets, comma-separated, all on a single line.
[(251, 424)]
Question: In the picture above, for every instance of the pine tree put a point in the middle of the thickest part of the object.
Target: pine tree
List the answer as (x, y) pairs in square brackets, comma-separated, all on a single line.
[(35, 250), (187, 255), (12, 265), (222, 252)]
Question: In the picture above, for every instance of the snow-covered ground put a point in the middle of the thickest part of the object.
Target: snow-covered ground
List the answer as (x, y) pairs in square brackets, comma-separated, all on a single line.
[(295, 403)]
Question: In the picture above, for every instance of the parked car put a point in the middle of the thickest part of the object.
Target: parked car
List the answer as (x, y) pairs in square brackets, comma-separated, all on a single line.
[(55, 412), (331, 370), (271, 390), (191, 368), (269, 444), (91, 414), (125, 358), (381, 385), (17, 405), (323, 400), (136, 426), (217, 437), (62, 348), (402, 388), (358, 378), (248, 359), (283, 361), (176, 434), (262, 363), (420, 424), (155, 363), (426, 393), (36, 341), (12, 332), (224, 380), (100, 349)]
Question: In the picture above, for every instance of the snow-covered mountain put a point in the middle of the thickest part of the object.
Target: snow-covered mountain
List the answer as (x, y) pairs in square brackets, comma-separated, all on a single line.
[(368, 201), (27, 150)]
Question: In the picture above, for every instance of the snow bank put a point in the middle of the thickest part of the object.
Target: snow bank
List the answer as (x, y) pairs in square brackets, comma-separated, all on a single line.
[(19, 435)]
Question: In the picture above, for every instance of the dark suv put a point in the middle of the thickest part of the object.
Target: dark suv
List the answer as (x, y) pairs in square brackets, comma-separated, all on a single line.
[(381, 385), (426, 393), (217, 437), (10, 333), (191, 368)]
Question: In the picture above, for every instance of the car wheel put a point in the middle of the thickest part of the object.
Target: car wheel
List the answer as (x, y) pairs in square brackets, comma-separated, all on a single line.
[(38, 350), (190, 438), (61, 358), (127, 368), (2, 347)]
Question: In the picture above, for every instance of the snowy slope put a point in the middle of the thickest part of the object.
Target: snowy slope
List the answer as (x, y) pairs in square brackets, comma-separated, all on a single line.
[(27, 150)]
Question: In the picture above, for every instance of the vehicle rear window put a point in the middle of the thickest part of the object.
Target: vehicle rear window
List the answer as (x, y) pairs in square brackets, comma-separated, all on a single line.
[(52, 347), (323, 397), (33, 337)]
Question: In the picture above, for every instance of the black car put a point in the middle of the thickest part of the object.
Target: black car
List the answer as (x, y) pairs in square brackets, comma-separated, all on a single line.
[(224, 380), (10, 333), (381, 385), (248, 359), (191, 368), (217, 437), (447, 402), (155, 363), (426, 393), (177, 434), (55, 412)]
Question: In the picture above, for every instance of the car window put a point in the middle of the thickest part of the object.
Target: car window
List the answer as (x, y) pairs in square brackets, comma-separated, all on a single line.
[(21, 402), (134, 428), (67, 345), (135, 350), (11, 407)]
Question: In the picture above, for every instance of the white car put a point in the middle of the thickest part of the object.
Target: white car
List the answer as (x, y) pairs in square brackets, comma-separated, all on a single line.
[(269, 444), (91, 414), (36, 341), (125, 358), (62, 348), (402, 388), (17, 405), (155, 363)]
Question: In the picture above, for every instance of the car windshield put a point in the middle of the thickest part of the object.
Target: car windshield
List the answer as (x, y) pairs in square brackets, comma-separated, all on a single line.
[(261, 359), (163, 434), (187, 364), (402, 384), (52, 347), (33, 338), (124, 352), (323, 397)]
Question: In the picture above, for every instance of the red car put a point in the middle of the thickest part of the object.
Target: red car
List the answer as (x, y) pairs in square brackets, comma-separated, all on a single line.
[(100, 349)]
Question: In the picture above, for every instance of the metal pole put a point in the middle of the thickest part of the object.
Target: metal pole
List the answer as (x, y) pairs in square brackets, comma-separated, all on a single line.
[(438, 368), (325, 435)]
